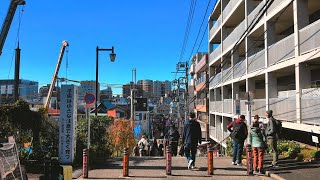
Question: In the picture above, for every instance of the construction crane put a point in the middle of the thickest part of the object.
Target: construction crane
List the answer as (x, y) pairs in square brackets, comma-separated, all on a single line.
[(66, 80), (55, 75), (8, 20)]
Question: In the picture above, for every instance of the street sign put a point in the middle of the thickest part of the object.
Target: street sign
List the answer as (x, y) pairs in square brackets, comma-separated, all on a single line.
[(315, 139), (89, 99)]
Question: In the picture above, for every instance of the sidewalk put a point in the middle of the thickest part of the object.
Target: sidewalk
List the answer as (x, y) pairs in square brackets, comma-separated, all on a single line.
[(154, 168), (294, 170)]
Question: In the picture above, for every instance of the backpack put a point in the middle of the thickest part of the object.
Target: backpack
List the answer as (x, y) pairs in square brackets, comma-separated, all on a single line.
[(238, 131), (141, 145), (278, 126)]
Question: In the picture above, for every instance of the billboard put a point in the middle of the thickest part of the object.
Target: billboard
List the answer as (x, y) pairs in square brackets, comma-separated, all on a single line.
[(68, 123)]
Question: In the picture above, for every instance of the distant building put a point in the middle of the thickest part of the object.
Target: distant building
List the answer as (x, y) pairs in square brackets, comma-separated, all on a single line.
[(87, 87), (28, 90), (157, 89), (55, 97), (147, 87), (166, 88), (106, 94)]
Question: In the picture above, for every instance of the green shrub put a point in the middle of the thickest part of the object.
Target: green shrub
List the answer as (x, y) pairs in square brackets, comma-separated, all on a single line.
[(229, 147), (288, 149), (316, 155)]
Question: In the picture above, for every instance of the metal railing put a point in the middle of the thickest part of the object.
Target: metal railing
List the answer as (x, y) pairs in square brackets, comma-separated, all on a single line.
[(239, 69), (284, 108), (227, 106), (215, 54), (230, 6), (227, 74), (216, 80), (253, 14), (309, 37), (281, 50), (259, 107), (256, 61), (215, 27), (234, 36)]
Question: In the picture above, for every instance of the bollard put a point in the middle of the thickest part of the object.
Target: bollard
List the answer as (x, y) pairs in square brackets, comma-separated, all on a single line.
[(85, 172), (126, 162), (249, 160), (168, 160), (210, 159)]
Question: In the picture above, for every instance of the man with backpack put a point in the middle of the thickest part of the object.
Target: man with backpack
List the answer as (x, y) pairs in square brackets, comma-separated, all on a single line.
[(272, 132), (239, 133), (143, 146)]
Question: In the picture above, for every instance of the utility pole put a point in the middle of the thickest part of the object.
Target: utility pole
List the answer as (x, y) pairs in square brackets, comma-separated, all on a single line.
[(186, 92), (133, 94), (16, 74)]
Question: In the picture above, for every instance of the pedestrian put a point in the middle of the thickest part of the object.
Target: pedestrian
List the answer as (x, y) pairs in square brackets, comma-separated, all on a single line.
[(272, 137), (173, 139), (257, 141), (136, 150), (191, 137), (143, 145), (239, 133)]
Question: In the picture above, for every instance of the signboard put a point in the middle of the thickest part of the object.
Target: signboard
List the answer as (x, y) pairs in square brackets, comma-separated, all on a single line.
[(315, 139), (237, 102), (67, 127), (89, 99)]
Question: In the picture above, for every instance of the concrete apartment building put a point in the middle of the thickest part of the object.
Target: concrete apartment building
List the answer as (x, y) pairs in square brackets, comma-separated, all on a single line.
[(147, 88), (87, 87), (281, 67), (157, 86)]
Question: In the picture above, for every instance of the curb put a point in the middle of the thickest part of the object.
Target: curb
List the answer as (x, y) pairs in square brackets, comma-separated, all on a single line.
[(273, 176)]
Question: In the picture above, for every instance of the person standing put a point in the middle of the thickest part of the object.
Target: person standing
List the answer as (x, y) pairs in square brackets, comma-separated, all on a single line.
[(191, 136), (272, 137), (173, 139), (257, 141), (239, 133), (143, 145)]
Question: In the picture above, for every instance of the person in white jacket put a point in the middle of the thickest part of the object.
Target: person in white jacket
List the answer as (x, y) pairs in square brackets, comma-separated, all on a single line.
[(143, 145)]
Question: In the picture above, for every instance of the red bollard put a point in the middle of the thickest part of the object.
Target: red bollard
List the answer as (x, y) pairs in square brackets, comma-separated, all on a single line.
[(126, 163), (210, 159), (168, 160), (249, 160), (85, 172)]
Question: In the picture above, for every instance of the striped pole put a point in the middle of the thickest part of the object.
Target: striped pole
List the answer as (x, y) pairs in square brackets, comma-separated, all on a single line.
[(126, 162), (210, 159)]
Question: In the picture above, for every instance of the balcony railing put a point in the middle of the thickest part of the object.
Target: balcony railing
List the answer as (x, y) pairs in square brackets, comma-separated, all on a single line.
[(234, 36), (225, 134), (254, 13), (309, 37), (243, 107), (310, 105), (284, 108), (215, 54), (216, 80), (219, 133), (274, 5), (281, 51), (218, 106), (227, 106), (212, 131), (239, 69), (230, 6), (227, 74), (201, 80), (259, 107), (256, 61), (215, 27)]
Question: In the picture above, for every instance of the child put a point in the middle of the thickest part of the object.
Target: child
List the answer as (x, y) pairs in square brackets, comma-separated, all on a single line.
[(257, 141)]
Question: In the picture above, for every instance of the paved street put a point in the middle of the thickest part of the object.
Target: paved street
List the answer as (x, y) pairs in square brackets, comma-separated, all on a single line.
[(154, 168)]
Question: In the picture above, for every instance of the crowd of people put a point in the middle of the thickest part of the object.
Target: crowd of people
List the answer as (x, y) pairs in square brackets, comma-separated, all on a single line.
[(259, 135)]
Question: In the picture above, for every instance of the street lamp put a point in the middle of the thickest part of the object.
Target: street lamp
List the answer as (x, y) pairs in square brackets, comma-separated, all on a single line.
[(112, 58)]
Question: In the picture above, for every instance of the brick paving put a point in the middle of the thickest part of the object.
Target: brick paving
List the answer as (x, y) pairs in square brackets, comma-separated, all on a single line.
[(154, 168)]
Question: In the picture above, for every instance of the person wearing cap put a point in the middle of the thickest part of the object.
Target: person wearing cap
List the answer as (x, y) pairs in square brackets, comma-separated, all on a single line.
[(272, 137)]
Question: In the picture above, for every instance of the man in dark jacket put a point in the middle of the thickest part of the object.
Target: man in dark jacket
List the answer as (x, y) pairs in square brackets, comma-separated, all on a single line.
[(272, 137), (191, 137), (239, 133)]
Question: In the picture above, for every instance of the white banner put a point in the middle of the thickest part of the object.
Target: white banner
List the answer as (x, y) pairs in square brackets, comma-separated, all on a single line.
[(68, 123)]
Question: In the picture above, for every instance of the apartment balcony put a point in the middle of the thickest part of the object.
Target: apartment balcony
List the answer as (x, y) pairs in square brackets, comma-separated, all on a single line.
[(239, 69), (216, 80), (256, 61), (227, 106), (243, 107), (219, 133), (281, 50), (259, 107), (215, 28), (212, 131), (275, 4), (309, 37), (202, 64), (192, 69), (215, 55), (229, 8), (234, 36), (284, 108), (227, 74), (216, 106), (310, 105), (201, 105), (254, 13)]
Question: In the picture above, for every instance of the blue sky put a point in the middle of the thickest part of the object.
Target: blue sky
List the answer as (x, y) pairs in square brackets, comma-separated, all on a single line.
[(146, 34)]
